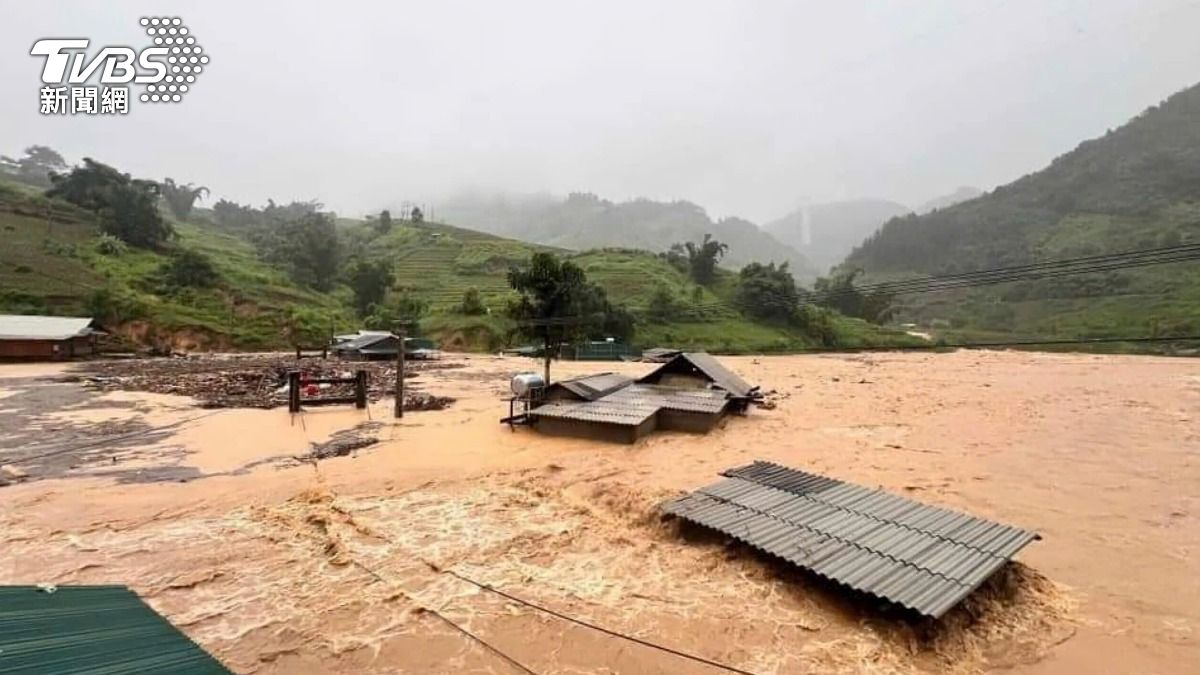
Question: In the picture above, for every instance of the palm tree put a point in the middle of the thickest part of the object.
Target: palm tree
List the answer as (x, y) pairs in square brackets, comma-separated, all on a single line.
[(181, 197)]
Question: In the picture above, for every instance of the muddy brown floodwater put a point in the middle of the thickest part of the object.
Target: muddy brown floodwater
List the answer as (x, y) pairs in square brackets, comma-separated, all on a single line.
[(337, 565)]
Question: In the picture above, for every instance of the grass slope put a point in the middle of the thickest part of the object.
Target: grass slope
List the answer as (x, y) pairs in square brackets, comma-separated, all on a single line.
[(51, 265)]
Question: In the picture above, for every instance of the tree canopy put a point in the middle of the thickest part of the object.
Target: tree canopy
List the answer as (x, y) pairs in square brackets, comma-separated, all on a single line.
[(370, 282), (182, 197), (703, 257), (126, 207), (35, 166), (558, 305)]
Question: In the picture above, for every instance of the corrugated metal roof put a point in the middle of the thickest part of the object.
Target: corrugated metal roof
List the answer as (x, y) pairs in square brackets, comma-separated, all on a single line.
[(706, 364), (29, 327), (922, 557), (632, 404), (592, 387), (369, 342), (92, 629), (609, 412), (672, 398)]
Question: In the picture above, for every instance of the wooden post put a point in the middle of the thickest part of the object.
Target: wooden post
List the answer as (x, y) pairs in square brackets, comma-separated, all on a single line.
[(294, 391), (360, 389), (399, 413)]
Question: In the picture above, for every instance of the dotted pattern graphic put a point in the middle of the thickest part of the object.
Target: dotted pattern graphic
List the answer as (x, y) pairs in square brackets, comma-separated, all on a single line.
[(185, 60)]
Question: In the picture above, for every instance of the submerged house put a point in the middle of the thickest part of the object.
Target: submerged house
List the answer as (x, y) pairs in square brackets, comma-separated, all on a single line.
[(31, 337), (692, 392)]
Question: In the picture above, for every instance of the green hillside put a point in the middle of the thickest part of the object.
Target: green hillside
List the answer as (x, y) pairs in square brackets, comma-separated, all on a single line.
[(439, 263), (51, 263), (58, 262), (1137, 187)]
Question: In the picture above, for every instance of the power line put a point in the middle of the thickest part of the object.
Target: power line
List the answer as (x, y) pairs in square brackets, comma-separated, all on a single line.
[(581, 622), (1033, 271), (484, 643)]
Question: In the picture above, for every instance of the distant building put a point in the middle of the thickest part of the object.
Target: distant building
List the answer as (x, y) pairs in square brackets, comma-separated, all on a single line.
[(46, 338), (381, 345)]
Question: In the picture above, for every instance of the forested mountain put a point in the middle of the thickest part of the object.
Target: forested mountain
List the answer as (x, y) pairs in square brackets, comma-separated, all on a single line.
[(583, 221), (825, 233), (962, 194), (1108, 194), (1136, 187)]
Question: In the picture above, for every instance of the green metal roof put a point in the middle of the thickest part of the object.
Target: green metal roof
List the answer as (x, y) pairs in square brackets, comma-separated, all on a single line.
[(99, 630)]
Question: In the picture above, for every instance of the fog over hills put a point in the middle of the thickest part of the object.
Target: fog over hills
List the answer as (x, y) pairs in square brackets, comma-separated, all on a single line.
[(583, 220)]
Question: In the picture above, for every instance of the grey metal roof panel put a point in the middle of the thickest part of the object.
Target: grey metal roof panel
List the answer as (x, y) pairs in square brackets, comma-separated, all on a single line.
[(596, 411), (366, 340), (592, 387), (711, 368), (631, 404), (922, 557), (29, 327), (673, 398)]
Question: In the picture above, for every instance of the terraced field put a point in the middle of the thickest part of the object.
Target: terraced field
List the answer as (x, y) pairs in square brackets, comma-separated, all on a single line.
[(440, 263)]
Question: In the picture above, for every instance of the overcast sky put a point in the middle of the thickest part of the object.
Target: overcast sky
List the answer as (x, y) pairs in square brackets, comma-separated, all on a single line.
[(745, 107)]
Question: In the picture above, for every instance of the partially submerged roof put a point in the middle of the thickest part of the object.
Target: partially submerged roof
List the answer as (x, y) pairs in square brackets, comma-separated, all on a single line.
[(632, 404), (671, 398), (623, 413), (92, 629), (592, 387), (922, 557), (32, 327), (660, 354), (702, 363)]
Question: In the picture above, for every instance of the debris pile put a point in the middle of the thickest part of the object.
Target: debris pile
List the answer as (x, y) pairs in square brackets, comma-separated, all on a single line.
[(251, 381), (344, 442), (426, 402)]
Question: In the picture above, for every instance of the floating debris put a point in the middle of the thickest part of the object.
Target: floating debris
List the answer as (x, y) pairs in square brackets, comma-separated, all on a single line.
[(235, 381)]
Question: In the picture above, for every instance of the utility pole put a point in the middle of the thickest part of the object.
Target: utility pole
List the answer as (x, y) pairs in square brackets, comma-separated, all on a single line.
[(399, 412)]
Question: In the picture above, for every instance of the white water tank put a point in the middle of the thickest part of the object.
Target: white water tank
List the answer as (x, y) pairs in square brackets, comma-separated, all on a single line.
[(523, 383)]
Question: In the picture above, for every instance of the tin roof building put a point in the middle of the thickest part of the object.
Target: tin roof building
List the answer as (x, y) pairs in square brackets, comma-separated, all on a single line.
[(692, 393), (31, 337)]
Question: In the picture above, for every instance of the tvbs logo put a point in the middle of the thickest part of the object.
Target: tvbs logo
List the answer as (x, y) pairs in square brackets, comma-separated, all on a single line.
[(168, 68)]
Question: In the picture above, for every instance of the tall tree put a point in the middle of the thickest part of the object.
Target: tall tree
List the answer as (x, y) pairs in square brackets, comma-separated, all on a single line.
[(36, 166), (417, 216), (182, 197), (302, 238), (126, 207), (558, 305), (703, 258), (370, 282), (235, 216), (768, 293), (384, 224), (839, 292)]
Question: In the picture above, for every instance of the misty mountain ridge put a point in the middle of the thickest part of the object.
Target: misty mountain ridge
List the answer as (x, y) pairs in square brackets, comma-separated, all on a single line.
[(826, 233), (1136, 187), (583, 221), (962, 194)]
